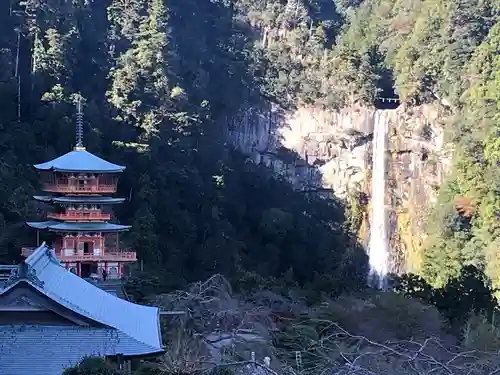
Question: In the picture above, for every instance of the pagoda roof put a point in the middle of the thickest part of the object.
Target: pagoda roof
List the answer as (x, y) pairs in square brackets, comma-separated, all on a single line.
[(116, 326), (61, 226), (80, 160), (79, 199)]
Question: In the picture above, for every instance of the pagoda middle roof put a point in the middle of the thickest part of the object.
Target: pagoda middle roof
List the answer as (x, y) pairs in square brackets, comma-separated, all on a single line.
[(79, 199), (61, 226), (80, 160)]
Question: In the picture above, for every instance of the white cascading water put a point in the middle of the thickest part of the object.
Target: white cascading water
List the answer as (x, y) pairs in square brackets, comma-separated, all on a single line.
[(378, 250)]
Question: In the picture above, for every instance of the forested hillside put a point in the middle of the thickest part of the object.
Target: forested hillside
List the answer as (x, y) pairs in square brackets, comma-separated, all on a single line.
[(158, 76), (336, 53), (155, 78), (448, 51)]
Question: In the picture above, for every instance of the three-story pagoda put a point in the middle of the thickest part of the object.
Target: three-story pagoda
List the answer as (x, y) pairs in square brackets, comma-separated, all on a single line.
[(79, 185)]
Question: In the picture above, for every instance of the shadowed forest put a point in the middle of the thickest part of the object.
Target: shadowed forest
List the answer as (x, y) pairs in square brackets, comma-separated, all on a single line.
[(154, 87), (157, 79)]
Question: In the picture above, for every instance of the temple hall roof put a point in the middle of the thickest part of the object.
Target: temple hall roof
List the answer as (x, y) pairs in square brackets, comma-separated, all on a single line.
[(120, 327), (60, 226), (80, 160), (49, 349), (79, 199)]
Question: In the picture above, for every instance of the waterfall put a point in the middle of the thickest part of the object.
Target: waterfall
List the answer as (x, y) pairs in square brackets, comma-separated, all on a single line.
[(378, 250)]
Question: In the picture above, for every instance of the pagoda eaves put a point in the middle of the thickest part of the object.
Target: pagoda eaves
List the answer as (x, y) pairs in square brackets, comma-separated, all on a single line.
[(80, 160), (61, 226), (93, 199)]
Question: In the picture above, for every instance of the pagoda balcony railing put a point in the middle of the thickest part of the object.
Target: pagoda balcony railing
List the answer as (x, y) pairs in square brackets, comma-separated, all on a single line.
[(110, 255), (79, 215), (92, 189)]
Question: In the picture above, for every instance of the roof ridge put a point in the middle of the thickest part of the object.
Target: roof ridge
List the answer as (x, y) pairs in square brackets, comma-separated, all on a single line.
[(37, 254), (41, 252)]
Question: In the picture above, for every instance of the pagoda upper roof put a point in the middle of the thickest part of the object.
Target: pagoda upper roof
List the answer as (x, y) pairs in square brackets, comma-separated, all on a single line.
[(79, 199), (80, 160), (116, 326), (61, 226)]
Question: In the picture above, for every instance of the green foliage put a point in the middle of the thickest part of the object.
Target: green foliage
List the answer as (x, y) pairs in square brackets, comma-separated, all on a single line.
[(445, 51), (157, 78), (356, 208), (471, 237), (481, 333), (93, 366), (465, 295)]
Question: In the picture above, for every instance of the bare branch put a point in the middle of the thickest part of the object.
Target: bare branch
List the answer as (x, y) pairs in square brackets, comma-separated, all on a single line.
[(220, 329)]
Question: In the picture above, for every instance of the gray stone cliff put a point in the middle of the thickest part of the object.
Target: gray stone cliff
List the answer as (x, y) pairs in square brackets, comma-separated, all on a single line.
[(329, 152)]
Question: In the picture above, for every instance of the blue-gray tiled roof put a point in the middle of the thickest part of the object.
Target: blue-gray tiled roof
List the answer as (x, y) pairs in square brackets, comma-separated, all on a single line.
[(138, 325), (59, 226), (80, 161), (80, 199), (48, 349)]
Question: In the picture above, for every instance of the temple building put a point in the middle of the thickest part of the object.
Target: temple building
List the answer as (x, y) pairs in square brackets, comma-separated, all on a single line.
[(50, 319), (79, 186)]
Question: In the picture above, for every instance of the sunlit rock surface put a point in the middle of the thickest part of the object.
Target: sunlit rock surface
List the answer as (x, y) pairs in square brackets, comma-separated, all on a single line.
[(329, 153)]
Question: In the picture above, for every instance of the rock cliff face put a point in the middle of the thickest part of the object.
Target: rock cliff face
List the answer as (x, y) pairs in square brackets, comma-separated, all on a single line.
[(329, 153), (419, 159)]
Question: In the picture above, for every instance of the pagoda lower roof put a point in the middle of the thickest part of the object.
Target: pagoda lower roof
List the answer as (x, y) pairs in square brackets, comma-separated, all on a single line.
[(80, 160), (61, 226), (79, 199)]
